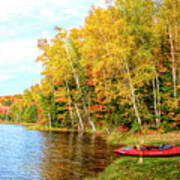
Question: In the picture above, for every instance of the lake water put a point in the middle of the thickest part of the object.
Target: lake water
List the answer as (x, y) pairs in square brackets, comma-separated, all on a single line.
[(51, 155)]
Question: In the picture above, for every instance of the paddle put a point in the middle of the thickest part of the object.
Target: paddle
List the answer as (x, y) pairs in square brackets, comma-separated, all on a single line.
[(141, 157)]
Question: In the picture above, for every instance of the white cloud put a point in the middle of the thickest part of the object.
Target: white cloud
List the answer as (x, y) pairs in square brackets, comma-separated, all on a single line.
[(51, 15), (18, 51), (18, 57), (100, 3), (9, 8), (8, 71), (33, 69), (5, 77), (73, 12)]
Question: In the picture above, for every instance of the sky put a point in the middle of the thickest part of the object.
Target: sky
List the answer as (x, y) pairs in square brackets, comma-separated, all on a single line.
[(22, 23)]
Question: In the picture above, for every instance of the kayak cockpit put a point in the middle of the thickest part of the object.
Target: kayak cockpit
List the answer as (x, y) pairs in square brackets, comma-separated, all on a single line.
[(149, 148)]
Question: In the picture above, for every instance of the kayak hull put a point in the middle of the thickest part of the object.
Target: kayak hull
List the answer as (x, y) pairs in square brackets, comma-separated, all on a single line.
[(173, 151)]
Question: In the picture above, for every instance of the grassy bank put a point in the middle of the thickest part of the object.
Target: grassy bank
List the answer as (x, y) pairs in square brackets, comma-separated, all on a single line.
[(148, 137), (127, 168), (151, 168), (47, 128)]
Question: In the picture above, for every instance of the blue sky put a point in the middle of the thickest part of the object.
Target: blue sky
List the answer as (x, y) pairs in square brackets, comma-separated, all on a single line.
[(22, 23)]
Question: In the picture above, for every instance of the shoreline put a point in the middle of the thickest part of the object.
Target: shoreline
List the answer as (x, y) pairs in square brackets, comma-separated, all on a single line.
[(38, 127), (116, 137)]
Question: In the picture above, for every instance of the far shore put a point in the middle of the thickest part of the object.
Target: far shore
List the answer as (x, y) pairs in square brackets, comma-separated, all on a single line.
[(35, 126), (116, 137), (17, 123)]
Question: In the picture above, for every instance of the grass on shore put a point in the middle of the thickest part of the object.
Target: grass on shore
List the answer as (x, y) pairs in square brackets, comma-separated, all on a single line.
[(127, 168), (149, 138), (46, 128)]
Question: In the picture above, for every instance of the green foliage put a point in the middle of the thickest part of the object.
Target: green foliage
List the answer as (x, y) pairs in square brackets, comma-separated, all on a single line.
[(8, 102)]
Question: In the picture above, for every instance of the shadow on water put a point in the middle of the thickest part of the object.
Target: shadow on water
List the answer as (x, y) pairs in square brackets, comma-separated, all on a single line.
[(51, 155)]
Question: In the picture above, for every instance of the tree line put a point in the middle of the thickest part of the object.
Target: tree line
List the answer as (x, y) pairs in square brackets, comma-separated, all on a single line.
[(121, 66)]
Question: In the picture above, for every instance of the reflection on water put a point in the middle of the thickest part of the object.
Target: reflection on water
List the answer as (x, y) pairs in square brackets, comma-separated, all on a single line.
[(50, 155)]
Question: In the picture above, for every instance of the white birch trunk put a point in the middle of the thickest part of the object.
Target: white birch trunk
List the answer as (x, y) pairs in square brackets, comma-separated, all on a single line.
[(17, 117), (175, 27), (155, 102), (7, 115), (158, 98), (90, 121), (49, 119), (173, 63), (76, 77), (79, 117), (89, 118), (133, 96)]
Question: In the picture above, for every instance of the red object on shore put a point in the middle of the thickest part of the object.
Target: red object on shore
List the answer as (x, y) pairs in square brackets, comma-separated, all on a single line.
[(148, 151), (4, 109)]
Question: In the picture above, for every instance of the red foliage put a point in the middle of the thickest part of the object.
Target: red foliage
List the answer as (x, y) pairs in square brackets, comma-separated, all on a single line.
[(4, 109), (122, 128)]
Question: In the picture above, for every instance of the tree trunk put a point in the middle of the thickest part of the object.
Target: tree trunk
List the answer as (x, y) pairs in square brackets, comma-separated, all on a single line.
[(176, 47), (76, 77), (17, 117), (69, 104), (155, 102), (173, 63), (79, 116), (49, 119), (158, 98), (175, 27), (7, 116), (133, 96), (76, 107), (90, 121), (89, 118)]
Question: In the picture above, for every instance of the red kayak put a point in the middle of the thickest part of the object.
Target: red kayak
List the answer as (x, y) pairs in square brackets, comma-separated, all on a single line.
[(151, 151)]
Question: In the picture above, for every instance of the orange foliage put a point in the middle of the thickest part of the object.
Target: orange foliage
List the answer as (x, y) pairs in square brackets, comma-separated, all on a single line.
[(60, 99), (96, 107), (90, 82)]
